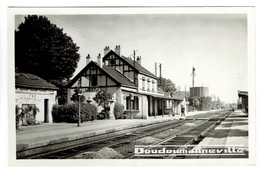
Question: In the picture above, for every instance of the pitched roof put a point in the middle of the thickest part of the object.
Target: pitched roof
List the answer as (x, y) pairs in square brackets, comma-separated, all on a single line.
[(118, 76), (139, 67), (184, 93), (180, 95), (115, 75), (159, 90), (27, 80), (242, 93)]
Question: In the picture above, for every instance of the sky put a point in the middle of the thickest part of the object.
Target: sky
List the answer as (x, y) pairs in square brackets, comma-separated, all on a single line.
[(214, 44)]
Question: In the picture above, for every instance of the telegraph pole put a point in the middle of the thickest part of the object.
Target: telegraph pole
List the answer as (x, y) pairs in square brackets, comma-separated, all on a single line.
[(134, 67), (160, 68), (193, 74), (134, 57), (155, 69), (162, 84)]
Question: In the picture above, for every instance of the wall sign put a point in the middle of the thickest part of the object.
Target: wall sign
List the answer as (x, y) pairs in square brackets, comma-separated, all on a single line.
[(27, 96), (90, 90)]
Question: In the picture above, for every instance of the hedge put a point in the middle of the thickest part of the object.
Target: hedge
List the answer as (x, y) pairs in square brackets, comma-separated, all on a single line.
[(70, 114)]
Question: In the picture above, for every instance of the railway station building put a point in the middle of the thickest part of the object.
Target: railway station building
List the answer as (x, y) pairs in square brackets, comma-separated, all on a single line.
[(243, 101), (129, 83), (32, 91)]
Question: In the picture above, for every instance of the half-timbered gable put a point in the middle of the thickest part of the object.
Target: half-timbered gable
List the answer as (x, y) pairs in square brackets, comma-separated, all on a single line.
[(93, 76), (113, 60)]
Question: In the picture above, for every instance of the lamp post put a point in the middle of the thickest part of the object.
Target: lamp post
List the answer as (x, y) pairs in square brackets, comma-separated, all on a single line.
[(79, 110)]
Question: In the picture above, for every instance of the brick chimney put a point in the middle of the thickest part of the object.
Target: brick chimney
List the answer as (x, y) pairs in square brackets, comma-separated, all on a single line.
[(138, 60), (106, 50), (99, 60), (88, 59), (117, 50)]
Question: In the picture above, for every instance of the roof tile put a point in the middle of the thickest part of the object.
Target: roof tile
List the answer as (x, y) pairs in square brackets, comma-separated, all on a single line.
[(118, 76), (139, 67), (28, 80)]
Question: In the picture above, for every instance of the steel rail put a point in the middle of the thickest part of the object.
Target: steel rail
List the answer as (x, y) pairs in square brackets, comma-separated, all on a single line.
[(101, 138), (196, 137)]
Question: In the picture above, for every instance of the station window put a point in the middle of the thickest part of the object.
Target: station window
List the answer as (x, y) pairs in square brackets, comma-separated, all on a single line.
[(153, 83), (148, 84), (168, 104), (143, 85), (93, 80), (135, 103)]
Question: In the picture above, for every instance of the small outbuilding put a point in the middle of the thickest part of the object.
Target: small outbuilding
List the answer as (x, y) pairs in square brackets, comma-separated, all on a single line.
[(33, 92)]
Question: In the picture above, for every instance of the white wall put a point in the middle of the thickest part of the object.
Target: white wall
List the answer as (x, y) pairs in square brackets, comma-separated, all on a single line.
[(31, 96), (143, 104), (140, 84)]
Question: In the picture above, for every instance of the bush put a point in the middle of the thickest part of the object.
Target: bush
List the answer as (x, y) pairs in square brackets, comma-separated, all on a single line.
[(64, 113), (104, 114), (69, 113), (88, 112), (30, 120), (17, 117), (118, 110), (26, 116)]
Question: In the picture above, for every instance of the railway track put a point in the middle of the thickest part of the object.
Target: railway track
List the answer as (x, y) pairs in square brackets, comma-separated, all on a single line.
[(185, 139), (58, 150), (69, 149)]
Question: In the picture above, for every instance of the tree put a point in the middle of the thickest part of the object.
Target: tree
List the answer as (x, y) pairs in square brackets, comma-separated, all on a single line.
[(167, 85), (75, 97), (102, 98), (62, 93), (43, 49), (205, 103), (195, 102)]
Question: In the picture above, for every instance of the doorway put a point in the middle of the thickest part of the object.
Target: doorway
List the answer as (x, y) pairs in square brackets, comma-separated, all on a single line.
[(46, 110)]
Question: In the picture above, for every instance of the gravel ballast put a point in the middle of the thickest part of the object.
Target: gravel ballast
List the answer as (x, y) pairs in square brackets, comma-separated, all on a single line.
[(146, 140), (104, 153)]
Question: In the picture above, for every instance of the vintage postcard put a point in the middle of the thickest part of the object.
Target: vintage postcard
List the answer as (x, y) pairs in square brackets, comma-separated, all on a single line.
[(127, 86)]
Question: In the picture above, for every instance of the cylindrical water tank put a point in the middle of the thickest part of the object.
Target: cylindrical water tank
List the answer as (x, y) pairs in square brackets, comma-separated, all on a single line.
[(199, 91)]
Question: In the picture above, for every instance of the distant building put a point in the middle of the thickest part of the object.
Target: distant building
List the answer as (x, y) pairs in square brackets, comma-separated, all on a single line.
[(181, 100), (33, 91), (122, 77), (242, 102)]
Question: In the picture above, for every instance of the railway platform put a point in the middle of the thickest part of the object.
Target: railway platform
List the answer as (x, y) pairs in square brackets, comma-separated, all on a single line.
[(45, 134), (232, 132)]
